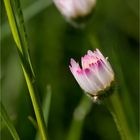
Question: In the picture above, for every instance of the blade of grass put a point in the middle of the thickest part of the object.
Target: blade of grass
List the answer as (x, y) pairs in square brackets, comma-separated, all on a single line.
[(78, 118), (29, 13), (18, 30), (22, 33), (46, 108), (47, 104), (5, 118), (33, 121)]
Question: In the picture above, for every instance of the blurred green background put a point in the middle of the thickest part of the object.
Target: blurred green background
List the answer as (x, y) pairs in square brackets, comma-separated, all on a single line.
[(113, 28)]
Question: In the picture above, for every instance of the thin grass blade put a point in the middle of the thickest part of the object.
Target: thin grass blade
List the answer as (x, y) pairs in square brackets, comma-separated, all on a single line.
[(8, 123), (46, 108)]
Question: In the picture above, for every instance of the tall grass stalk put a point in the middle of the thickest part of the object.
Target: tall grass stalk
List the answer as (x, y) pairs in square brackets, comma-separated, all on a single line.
[(16, 22)]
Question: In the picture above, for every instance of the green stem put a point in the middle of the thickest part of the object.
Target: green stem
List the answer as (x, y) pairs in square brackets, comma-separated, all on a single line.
[(114, 105), (79, 115), (20, 40), (46, 107), (36, 105)]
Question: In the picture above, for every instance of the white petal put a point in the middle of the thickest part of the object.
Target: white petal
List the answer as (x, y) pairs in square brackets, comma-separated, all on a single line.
[(91, 81), (96, 76), (104, 60), (83, 82), (96, 85), (105, 76)]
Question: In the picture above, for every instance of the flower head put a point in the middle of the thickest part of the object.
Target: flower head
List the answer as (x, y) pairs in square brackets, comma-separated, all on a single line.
[(96, 74), (72, 9)]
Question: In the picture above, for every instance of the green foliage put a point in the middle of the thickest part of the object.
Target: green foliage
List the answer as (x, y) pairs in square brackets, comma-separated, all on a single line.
[(46, 108), (79, 115), (5, 118), (16, 22), (113, 28)]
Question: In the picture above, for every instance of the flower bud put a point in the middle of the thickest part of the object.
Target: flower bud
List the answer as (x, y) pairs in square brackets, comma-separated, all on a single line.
[(75, 9), (96, 76)]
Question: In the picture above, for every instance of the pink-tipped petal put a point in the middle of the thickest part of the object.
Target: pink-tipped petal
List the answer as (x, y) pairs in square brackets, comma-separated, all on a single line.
[(82, 80), (73, 63), (96, 73), (104, 60), (90, 53)]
